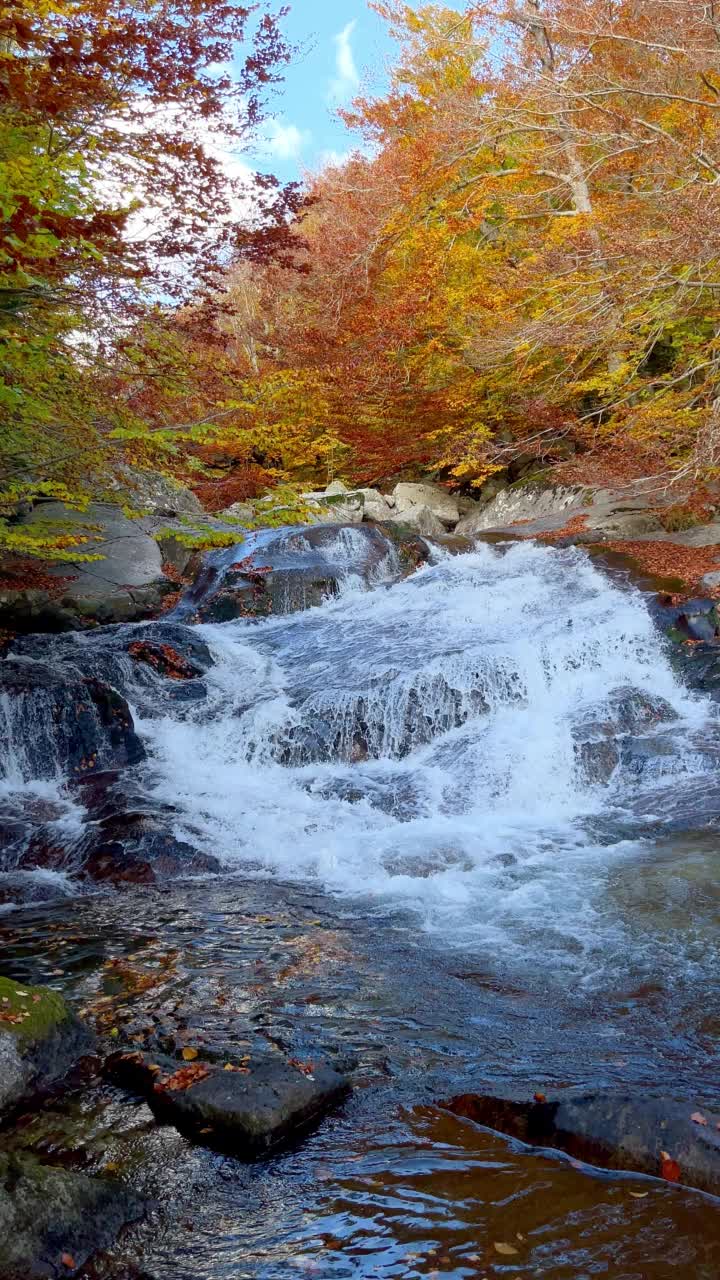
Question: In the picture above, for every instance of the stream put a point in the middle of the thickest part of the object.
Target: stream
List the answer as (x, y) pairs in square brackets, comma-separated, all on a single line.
[(467, 823)]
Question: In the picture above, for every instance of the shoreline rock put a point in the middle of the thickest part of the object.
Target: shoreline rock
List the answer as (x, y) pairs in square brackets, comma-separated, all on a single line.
[(660, 1137), (248, 1110), (40, 1040)]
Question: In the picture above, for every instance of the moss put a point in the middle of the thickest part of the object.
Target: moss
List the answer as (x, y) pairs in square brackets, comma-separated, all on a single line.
[(43, 1013)]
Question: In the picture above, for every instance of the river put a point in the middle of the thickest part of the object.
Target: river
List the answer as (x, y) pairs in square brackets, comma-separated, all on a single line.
[(467, 825)]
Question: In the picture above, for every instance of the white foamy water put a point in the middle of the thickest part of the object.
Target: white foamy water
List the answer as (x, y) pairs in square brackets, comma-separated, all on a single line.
[(426, 743)]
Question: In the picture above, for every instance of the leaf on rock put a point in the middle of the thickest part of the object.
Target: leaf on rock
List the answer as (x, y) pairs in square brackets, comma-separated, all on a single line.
[(507, 1250), (669, 1168), (698, 1118), (189, 1054)]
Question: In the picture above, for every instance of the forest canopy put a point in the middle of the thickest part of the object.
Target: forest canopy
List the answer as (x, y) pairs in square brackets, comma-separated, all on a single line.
[(519, 259)]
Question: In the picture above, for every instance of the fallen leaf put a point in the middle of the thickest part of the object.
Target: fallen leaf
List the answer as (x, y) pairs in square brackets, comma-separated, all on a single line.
[(698, 1118), (507, 1250), (68, 1261), (638, 1195), (189, 1054), (37, 999), (540, 1097), (669, 1168)]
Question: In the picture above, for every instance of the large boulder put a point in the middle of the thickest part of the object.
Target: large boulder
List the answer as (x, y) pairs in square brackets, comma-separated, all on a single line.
[(128, 583), (157, 495), (420, 520), (52, 1220), (658, 1136), (523, 502), (60, 723), (296, 569), (247, 1108), (443, 505), (40, 1040)]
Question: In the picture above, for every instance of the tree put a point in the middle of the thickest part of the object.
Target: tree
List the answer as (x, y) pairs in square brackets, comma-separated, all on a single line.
[(113, 196)]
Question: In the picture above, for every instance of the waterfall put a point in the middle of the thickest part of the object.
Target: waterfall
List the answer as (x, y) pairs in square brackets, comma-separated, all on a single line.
[(453, 742)]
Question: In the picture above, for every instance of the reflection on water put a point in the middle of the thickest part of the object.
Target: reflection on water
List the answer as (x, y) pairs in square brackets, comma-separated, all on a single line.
[(392, 1187)]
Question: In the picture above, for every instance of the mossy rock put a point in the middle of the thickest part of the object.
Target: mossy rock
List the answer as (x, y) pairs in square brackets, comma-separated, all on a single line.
[(52, 1220), (40, 1039)]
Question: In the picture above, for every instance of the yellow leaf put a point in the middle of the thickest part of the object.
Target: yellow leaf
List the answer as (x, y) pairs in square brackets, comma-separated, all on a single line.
[(507, 1250), (189, 1054)]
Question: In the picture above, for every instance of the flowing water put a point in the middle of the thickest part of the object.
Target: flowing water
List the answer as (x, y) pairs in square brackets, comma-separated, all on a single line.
[(468, 821)]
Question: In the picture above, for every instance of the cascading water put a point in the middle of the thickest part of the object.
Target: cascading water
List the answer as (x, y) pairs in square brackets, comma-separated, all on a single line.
[(481, 742)]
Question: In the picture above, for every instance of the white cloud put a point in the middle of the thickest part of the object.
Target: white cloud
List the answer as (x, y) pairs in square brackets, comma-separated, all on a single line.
[(346, 78), (285, 141)]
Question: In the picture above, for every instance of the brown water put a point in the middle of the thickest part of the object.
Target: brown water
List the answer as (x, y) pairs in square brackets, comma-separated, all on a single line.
[(393, 1186)]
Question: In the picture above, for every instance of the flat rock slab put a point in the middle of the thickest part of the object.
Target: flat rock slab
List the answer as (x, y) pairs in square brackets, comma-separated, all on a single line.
[(53, 1220), (248, 1111), (656, 1136)]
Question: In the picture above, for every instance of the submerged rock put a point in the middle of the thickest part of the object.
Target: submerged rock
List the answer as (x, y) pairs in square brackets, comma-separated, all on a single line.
[(53, 1220), (611, 1130), (40, 1040), (247, 1110)]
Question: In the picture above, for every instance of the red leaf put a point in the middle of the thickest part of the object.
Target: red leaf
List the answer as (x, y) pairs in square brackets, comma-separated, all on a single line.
[(669, 1168)]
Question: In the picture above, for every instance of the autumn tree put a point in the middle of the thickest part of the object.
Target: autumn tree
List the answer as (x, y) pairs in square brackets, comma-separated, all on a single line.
[(114, 195)]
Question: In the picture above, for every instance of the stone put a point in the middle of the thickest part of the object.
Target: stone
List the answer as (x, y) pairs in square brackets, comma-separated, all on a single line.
[(375, 505), (294, 570), (59, 722), (47, 1214), (522, 502), (40, 1040), (611, 1130), (249, 1111), (138, 848), (156, 494), (710, 581), (336, 487), (443, 505), (127, 584), (420, 520)]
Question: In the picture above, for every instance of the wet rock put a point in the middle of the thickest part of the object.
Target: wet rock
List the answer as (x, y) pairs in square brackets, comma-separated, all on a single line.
[(163, 659), (610, 1130), (408, 498), (137, 848), (40, 1040), (58, 722), (295, 570), (699, 624), (248, 1111), (26, 888), (710, 581), (52, 1220)]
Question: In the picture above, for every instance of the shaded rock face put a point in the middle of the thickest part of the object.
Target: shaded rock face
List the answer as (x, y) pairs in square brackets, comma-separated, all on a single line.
[(522, 502), (247, 1111), (40, 1040), (47, 1214), (611, 1130), (56, 723), (296, 569)]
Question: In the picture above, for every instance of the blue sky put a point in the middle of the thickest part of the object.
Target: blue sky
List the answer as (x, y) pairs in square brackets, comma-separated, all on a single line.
[(346, 48)]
